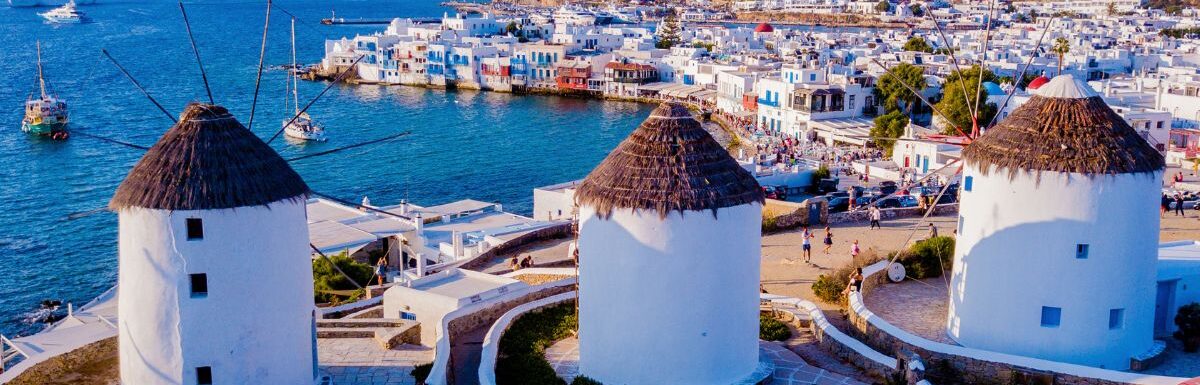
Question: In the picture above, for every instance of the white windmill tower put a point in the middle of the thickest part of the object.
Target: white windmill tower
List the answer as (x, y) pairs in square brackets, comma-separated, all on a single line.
[(1058, 233), (215, 282), (669, 248)]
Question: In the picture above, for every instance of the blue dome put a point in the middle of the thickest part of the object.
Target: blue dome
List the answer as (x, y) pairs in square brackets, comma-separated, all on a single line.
[(993, 88)]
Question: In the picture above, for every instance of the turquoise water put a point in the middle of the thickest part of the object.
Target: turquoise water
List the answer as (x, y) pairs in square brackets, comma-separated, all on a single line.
[(465, 144)]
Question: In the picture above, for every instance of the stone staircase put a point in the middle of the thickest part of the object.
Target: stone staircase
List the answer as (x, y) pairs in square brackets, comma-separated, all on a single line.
[(388, 333)]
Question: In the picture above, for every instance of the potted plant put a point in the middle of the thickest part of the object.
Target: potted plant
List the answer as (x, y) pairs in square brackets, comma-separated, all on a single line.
[(1188, 321)]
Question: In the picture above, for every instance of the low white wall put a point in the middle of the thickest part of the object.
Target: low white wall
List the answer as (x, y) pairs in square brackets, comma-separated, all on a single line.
[(491, 341), (817, 317), (860, 309), (441, 358)]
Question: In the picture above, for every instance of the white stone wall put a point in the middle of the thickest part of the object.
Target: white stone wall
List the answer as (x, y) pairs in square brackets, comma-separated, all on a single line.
[(669, 301), (255, 326), (1016, 253)]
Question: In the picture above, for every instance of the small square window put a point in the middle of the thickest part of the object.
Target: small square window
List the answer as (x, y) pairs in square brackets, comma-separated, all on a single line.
[(199, 284), (967, 182), (1116, 319), (1081, 251), (1051, 316), (195, 229), (204, 375)]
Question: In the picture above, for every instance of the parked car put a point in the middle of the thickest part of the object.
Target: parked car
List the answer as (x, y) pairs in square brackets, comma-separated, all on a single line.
[(864, 201), (781, 192), (769, 193), (827, 186), (839, 204), (837, 194), (897, 202), (888, 189)]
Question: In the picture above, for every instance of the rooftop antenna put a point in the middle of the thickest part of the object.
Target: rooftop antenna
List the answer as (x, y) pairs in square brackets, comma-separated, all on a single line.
[(138, 85), (196, 51), (262, 55)]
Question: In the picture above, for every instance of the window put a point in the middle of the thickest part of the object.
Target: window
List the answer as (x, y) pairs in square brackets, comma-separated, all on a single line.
[(1160, 124), (1081, 251), (204, 375), (195, 229), (967, 182), (1116, 319), (1051, 316), (851, 102), (199, 285)]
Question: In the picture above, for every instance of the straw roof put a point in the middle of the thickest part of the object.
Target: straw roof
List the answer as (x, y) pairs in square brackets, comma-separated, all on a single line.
[(208, 161), (668, 163), (1064, 127)]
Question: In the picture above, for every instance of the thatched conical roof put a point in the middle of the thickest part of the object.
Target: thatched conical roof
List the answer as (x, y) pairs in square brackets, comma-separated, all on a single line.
[(1064, 127), (208, 161), (669, 163)]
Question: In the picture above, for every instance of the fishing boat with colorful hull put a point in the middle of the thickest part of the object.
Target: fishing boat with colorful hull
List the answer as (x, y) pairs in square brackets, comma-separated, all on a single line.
[(45, 115)]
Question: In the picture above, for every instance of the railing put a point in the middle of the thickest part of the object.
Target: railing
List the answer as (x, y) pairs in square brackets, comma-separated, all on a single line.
[(9, 355)]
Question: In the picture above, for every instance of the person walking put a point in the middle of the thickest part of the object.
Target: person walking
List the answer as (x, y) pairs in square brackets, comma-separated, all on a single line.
[(1166, 206), (806, 245), (828, 239), (381, 269), (875, 214), (932, 230), (854, 250), (1179, 205)]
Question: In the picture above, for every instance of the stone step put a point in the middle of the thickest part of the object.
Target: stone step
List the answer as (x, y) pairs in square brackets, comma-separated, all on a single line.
[(364, 323)]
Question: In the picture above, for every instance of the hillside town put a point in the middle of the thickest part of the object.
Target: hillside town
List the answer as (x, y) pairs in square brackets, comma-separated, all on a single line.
[(805, 84)]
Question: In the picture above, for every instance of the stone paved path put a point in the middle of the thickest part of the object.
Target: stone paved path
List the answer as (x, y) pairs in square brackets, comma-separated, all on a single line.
[(920, 307), (360, 361), (790, 369), (466, 350), (804, 344)]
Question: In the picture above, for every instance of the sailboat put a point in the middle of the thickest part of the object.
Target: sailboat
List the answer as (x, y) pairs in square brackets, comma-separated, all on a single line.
[(302, 127), (46, 115)]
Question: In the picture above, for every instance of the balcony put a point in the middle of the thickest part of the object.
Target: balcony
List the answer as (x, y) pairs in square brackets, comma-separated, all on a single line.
[(768, 103)]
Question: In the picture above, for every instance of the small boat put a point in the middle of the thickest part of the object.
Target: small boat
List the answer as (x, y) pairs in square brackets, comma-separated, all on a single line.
[(66, 14), (46, 115), (302, 127)]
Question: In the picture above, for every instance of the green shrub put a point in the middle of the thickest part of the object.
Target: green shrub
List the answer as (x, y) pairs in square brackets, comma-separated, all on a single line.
[(332, 287), (772, 329), (523, 346), (421, 372), (822, 172), (927, 258), (584, 380), (829, 287), (1188, 321)]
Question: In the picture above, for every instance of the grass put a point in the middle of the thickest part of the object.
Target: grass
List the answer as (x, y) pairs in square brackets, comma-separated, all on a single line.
[(522, 358)]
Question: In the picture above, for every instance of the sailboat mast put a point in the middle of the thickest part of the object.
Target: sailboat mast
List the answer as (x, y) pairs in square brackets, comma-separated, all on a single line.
[(295, 83), (41, 78)]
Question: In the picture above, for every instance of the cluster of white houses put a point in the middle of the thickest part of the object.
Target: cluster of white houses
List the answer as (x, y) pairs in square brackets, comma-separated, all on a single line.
[(802, 83)]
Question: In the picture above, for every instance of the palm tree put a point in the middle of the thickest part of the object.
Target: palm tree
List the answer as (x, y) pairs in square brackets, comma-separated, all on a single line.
[(1061, 48)]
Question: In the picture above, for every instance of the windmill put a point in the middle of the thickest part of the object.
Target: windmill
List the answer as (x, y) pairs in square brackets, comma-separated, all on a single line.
[(965, 135), (253, 108)]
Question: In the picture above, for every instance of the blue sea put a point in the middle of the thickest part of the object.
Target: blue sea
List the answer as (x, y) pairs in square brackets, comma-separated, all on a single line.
[(465, 144)]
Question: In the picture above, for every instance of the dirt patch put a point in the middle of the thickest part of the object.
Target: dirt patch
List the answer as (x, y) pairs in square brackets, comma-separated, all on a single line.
[(95, 364)]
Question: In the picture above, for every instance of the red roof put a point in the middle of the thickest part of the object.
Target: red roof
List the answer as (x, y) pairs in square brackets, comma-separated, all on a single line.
[(765, 28), (1038, 82)]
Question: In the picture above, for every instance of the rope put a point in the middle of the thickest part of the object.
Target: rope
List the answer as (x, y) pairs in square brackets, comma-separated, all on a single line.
[(94, 136), (318, 97), (195, 50), (327, 152), (138, 85), (1020, 77), (262, 55)]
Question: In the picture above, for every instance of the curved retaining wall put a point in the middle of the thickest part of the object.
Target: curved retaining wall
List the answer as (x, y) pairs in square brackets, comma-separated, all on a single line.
[(468, 318), (491, 341), (975, 366), (481, 261), (805, 314)]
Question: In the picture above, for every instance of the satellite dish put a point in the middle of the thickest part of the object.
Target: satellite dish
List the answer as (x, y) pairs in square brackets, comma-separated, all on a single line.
[(895, 272)]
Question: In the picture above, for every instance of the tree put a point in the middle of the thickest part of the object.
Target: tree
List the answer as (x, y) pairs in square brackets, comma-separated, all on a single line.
[(918, 44), (889, 125), (917, 10), (668, 34), (883, 6), (892, 90), (1111, 9), (957, 102), (1060, 49), (511, 28)]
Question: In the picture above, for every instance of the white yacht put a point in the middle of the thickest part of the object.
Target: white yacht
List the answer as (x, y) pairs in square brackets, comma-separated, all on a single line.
[(65, 14), (302, 127)]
